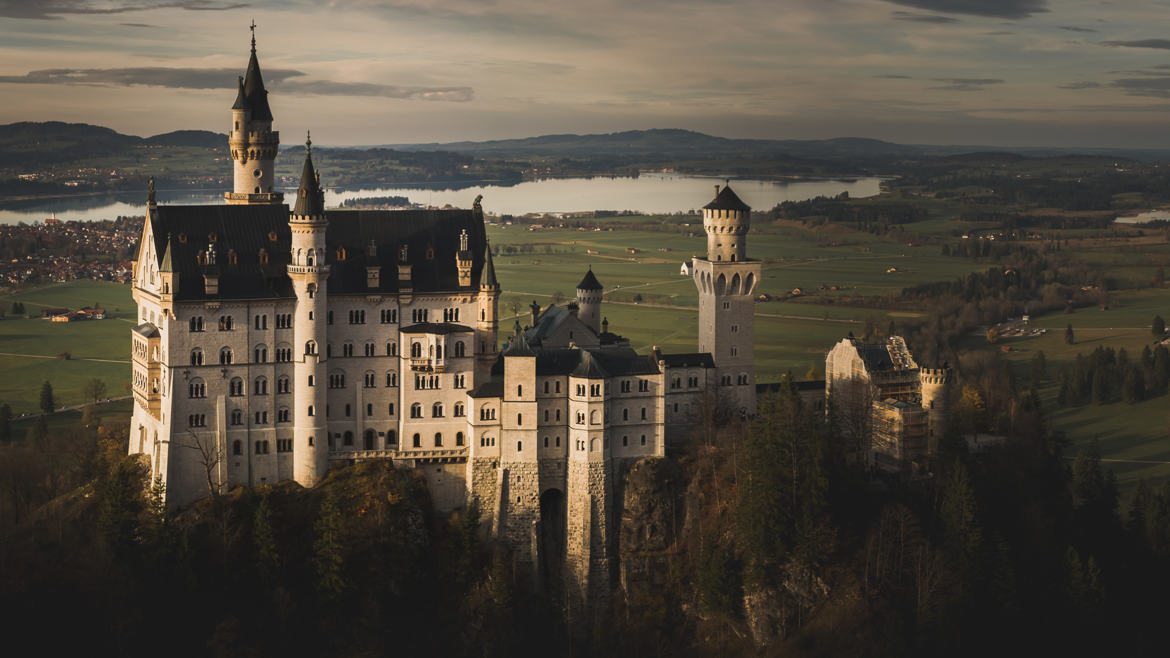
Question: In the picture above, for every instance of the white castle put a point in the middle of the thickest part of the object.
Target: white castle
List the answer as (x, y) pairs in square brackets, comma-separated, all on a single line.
[(274, 343)]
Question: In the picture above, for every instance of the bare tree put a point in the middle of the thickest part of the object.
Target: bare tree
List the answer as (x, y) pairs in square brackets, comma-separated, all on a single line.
[(211, 455), (94, 389), (851, 411)]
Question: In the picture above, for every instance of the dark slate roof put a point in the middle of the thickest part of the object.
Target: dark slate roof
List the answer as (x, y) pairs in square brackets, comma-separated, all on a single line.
[(552, 317), (589, 367), (241, 99), (489, 274), (622, 361), (243, 229), (488, 390), (432, 239), (518, 346), (310, 196), (146, 330), (437, 328), (875, 355), (246, 229), (558, 361), (255, 95), (727, 200), (690, 360), (589, 282), (814, 385)]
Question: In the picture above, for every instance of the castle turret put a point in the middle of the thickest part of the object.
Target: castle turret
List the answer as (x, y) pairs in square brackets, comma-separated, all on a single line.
[(935, 390), (251, 140), (309, 273), (486, 327), (519, 453), (727, 281), (589, 301)]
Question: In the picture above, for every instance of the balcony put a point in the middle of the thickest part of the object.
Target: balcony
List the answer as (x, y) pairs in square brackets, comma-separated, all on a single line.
[(428, 364)]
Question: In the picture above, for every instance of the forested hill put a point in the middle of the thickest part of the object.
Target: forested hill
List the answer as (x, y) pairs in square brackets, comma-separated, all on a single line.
[(32, 144), (683, 143)]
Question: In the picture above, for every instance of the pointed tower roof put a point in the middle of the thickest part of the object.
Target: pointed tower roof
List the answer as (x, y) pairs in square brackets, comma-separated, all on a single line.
[(168, 261), (518, 346), (589, 282), (255, 95), (725, 199), (241, 99), (488, 280), (310, 196)]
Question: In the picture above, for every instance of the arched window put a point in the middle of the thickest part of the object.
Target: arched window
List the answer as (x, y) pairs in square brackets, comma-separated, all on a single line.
[(310, 410), (309, 262), (310, 348), (196, 323), (369, 379), (416, 440), (237, 447), (260, 354), (391, 349), (415, 350), (196, 389), (519, 419), (458, 439), (437, 410), (391, 379), (236, 387), (368, 442), (237, 417), (391, 438), (225, 356), (260, 386), (282, 384), (416, 410), (625, 414), (196, 357), (459, 410), (438, 439), (348, 440), (593, 417), (460, 349)]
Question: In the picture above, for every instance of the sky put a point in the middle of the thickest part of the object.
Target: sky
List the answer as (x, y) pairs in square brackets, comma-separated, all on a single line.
[(364, 72)]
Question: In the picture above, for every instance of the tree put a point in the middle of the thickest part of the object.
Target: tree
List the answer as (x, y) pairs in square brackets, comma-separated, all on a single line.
[(48, 405), (558, 297), (264, 542), (717, 579), (1069, 338), (94, 389), (327, 546), (971, 411), (962, 534), (993, 335), (5, 422), (1159, 327), (211, 454)]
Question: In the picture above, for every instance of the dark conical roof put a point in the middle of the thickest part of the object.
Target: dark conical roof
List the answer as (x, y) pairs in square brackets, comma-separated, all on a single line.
[(310, 196), (168, 261), (589, 282), (255, 95), (489, 270), (241, 100), (727, 200)]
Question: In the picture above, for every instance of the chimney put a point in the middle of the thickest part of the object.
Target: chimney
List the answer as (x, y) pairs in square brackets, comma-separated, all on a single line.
[(716, 190)]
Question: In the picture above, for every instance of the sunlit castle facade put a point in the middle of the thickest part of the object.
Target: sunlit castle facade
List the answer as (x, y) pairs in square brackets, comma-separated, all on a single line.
[(276, 340)]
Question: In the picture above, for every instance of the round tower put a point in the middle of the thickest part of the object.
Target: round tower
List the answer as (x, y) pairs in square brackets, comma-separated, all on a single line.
[(935, 389), (726, 221), (309, 274), (252, 142), (589, 301)]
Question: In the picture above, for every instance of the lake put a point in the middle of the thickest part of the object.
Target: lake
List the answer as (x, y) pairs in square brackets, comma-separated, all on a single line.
[(648, 193)]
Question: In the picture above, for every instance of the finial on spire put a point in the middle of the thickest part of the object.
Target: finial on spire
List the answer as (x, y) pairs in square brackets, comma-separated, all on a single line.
[(308, 143), (253, 27)]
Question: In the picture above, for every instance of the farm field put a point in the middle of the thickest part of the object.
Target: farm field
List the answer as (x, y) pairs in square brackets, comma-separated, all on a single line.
[(29, 348)]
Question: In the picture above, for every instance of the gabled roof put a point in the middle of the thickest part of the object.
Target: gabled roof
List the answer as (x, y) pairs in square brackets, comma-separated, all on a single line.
[(727, 200), (589, 367), (589, 282), (431, 235)]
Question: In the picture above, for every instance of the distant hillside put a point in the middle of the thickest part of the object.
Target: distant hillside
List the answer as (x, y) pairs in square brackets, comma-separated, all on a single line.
[(669, 142), (32, 144)]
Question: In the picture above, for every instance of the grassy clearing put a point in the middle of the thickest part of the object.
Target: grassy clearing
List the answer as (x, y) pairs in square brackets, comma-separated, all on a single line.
[(29, 347)]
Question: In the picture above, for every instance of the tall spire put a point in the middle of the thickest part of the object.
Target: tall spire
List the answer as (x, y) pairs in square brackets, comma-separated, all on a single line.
[(488, 279), (310, 196), (255, 94)]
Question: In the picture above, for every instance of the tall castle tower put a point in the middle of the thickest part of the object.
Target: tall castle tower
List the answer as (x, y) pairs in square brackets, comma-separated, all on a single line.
[(726, 280), (486, 327), (934, 386), (252, 141), (309, 273), (589, 301)]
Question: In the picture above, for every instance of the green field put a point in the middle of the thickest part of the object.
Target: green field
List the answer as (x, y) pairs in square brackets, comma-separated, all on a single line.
[(29, 347)]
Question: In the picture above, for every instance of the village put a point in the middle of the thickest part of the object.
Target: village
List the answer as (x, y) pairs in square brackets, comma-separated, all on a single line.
[(56, 251)]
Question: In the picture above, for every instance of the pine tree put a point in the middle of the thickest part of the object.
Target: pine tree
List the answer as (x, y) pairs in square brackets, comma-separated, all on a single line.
[(48, 405), (1039, 369), (5, 422), (264, 543), (1159, 328), (1134, 389), (962, 534), (328, 562)]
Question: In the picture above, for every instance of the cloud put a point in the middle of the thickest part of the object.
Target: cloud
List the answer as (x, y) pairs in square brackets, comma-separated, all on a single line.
[(922, 18), (1150, 87), (195, 78), (55, 9), (137, 25), (893, 76), (1082, 85), (966, 84), (1161, 44), (992, 8), (1074, 28)]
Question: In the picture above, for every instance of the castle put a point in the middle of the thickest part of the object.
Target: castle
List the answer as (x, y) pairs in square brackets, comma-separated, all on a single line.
[(275, 342)]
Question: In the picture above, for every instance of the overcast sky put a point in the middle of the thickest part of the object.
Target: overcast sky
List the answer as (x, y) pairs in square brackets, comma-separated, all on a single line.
[(1006, 72)]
